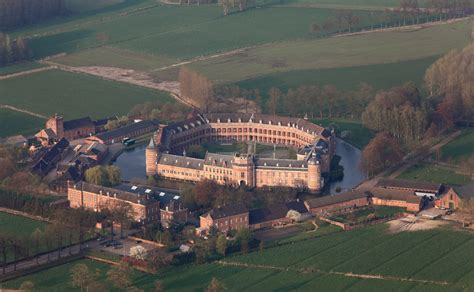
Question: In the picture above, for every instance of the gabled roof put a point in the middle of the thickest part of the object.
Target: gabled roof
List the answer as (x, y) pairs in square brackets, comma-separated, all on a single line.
[(136, 198), (275, 211), (127, 130), (466, 191), (219, 160), (337, 198), (181, 161), (420, 186), (227, 211), (78, 123), (395, 195)]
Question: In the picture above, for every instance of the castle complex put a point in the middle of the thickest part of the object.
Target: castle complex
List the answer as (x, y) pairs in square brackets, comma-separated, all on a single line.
[(315, 144)]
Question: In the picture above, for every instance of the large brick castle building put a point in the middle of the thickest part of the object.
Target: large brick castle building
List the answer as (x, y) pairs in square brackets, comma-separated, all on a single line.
[(315, 144)]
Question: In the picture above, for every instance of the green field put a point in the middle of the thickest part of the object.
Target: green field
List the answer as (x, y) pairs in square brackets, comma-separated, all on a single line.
[(74, 95), (14, 123), (379, 76), (428, 258), (369, 49), (18, 225), (6, 70), (460, 148), (434, 173), (351, 4)]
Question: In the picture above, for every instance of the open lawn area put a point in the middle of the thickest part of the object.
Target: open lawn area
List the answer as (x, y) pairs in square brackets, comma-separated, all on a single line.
[(436, 260), (14, 123), (350, 130), (74, 95), (18, 225), (368, 49), (460, 148), (434, 173)]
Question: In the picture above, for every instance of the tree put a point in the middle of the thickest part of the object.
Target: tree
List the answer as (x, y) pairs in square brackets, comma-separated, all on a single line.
[(243, 237), (215, 286), (81, 276), (27, 286), (221, 244), (450, 78), (158, 286), (36, 240), (123, 213), (272, 104), (106, 176), (120, 276), (382, 151), (116, 123)]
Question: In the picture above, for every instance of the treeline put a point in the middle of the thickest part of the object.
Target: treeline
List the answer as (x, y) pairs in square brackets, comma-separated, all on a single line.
[(12, 50), (229, 6), (399, 112), (196, 87), (16, 13), (159, 110), (450, 84)]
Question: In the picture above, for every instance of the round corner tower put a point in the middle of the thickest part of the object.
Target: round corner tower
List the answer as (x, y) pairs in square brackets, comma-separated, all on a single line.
[(151, 156), (314, 175)]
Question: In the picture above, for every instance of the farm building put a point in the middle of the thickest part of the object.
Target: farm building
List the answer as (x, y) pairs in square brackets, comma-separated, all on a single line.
[(453, 197), (278, 215), (420, 188), (346, 200), (129, 131), (171, 205), (48, 158), (396, 198), (225, 219), (84, 195)]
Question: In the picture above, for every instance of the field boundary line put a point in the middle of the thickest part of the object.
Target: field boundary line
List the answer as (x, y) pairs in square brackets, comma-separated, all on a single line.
[(27, 72), (344, 274), (23, 214), (6, 106)]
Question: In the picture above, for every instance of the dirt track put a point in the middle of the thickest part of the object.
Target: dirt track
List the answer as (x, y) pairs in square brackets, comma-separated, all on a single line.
[(22, 111)]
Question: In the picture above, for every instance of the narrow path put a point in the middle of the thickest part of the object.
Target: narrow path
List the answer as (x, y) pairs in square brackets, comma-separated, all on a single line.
[(23, 111), (28, 72), (344, 274)]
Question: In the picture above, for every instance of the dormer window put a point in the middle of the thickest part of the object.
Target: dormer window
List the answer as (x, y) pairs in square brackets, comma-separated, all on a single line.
[(218, 120)]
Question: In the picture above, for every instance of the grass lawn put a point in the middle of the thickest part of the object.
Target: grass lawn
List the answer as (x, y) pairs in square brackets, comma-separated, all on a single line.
[(460, 148), (379, 76), (14, 123), (434, 173), (358, 135), (337, 52), (436, 255), (6, 70), (74, 95), (361, 214), (18, 225)]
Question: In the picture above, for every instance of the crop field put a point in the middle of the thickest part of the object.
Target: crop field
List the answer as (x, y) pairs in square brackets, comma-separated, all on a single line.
[(351, 4), (374, 48), (17, 225), (434, 173), (7, 70), (379, 76), (459, 149), (435, 260), (14, 123), (74, 95)]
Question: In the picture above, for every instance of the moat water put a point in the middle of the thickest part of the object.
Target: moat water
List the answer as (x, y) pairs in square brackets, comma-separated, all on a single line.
[(132, 164)]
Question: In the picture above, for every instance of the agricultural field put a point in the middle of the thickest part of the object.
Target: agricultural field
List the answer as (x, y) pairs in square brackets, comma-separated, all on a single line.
[(12, 69), (379, 76), (430, 260), (368, 49), (74, 95), (434, 173), (459, 149), (14, 123), (18, 225)]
